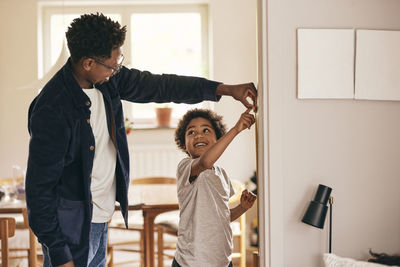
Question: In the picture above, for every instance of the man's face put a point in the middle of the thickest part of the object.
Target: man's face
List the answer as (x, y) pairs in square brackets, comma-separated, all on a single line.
[(104, 68), (199, 136)]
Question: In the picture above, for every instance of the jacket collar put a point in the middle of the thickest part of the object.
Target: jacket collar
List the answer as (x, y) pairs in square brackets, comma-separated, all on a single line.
[(78, 96)]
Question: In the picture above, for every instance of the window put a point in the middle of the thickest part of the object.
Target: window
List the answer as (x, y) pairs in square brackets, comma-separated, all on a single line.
[(160, 39)]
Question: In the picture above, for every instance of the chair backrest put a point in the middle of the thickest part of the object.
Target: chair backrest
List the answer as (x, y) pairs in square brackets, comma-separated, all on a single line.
[(153, 180), (238, 187), (7, 229), (153, 190), (8, 224)]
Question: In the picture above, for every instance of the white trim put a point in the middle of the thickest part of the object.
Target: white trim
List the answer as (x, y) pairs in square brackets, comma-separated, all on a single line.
[(263, 142), (44, 3), (274, 254)]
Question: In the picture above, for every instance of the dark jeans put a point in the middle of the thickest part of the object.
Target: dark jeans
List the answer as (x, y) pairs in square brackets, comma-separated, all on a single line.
[(175, 264)]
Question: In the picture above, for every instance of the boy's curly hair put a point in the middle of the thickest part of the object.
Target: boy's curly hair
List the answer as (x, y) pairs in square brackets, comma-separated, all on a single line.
[(214, 118), (94, 35)]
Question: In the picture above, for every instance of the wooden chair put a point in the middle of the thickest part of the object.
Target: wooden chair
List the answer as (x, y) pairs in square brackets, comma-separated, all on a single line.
[(142, 190), (121, 246), (125, 246), (29, 252), (7, 230), (163, 224), (30, 247)]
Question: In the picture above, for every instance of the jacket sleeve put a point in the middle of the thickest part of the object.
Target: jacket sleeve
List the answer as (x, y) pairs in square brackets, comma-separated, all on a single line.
[(144, 87), (47, 148)]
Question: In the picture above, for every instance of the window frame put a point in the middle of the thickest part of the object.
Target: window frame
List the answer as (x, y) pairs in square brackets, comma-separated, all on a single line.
[(125, 9)]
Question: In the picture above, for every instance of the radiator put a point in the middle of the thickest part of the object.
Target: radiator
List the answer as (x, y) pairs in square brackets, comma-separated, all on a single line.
[(154, 160)]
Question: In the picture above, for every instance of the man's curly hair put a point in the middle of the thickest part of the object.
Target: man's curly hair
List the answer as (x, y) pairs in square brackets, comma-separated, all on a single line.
[(94, 35), (214, 118)]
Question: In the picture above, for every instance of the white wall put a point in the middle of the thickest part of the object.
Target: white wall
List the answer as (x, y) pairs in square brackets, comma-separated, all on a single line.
[(234, 50), (352, 146), (233, 34), (18, 51)]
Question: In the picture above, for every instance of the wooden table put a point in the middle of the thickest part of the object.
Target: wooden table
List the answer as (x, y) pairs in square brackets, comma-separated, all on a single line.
[(19, 207), (150, 212)]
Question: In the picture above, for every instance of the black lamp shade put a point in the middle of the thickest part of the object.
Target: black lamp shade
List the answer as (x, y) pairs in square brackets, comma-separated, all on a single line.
[(316, 212)]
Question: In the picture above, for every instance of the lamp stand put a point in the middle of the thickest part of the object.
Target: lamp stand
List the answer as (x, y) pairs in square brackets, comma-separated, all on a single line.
[(330, 223)]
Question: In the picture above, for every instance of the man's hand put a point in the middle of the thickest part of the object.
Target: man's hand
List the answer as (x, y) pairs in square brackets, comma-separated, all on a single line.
[(247, 199), (240, 92), (68, 264), (245, 121)]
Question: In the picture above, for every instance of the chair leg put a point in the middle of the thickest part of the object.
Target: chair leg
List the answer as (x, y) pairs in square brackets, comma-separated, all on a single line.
[(110, 256), (110, 251), (32, 253), (243, 240), (142, 249), (160, 245), (4, 243)]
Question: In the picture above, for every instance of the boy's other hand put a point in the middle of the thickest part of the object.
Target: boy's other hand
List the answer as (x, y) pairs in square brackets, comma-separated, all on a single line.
[(245, 121), (247, 199), (241, 92)]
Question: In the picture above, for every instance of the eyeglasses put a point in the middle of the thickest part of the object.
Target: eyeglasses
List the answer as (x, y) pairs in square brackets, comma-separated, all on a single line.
[(114, 69)]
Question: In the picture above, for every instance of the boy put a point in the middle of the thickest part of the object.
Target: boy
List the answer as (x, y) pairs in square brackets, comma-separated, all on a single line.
[(204, 235)]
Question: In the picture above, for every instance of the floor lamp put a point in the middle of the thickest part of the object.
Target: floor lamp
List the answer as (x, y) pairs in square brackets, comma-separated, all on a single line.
[(316, 212)]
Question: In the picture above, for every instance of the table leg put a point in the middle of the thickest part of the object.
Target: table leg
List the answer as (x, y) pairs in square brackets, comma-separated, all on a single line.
[(32, 252), (32, 249), (148, 229), (150, 212)]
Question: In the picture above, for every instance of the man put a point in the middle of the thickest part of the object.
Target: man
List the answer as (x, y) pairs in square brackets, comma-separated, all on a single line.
[(78, 162)]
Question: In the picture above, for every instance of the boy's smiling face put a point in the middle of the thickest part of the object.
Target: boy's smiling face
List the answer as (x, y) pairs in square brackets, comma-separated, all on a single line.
[(199, 136)]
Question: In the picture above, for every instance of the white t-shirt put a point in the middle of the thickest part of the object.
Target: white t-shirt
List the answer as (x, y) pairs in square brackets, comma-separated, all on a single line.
[(204, 235), (103, 186)]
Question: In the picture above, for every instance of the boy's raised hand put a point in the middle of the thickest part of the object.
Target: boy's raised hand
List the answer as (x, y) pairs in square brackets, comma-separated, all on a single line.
[(247, 199), (245, 121)]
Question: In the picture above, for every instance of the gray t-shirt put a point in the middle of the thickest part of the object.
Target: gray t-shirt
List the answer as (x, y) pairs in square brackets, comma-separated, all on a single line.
[(204, 235)]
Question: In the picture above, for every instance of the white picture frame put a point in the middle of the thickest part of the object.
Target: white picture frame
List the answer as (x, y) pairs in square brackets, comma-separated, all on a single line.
[(325, 63), (377, 75)]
